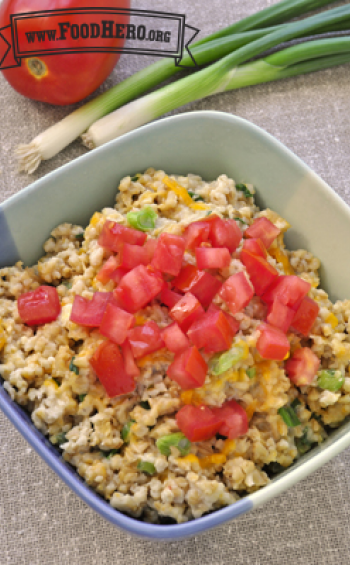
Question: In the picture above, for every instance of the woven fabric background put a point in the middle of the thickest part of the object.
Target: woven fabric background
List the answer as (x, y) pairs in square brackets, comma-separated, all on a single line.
[(41, 521)]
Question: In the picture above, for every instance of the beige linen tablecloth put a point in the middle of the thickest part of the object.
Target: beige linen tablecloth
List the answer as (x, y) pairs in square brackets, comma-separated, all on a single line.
[(41, 521)]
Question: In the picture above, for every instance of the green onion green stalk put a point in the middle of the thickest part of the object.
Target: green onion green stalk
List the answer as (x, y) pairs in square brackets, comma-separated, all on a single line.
[(212, 48), (142, 220)]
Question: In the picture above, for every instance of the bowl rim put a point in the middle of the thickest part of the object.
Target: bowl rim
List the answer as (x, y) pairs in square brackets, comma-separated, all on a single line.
[(38, 441)]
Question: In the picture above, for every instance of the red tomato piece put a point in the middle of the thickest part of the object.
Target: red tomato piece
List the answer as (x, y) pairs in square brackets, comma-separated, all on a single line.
[(256, 246), (174, 338), (280, 316), (104, 274), (145, 339), (302, 367), (289, 289), (235, 420), (186, 311), (237, 292), (108, 364), (261, 273), (188, 369), (169, 297), (118, 274), (195, 234), (39, 306), (305, 316), (231, 320), (130, 256), (212, 331), (113, 236), (116, 323), (198, 423), (263, 229), (150, 247), (272, 343), (131, 368), (225, 233), (137, 288), (90, 312), (202, 285), (169, 253), (212, 257)]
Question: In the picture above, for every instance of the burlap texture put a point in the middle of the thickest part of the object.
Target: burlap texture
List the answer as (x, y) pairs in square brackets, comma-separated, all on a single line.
[(41, 521)]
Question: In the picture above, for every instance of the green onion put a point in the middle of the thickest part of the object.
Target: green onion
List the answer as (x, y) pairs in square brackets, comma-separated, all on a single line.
[(229, 73), (59, 439), (208, 213), (81, 397), (143, 220), (224, 362), (67, 284), (251, 372), (240, 220), (330, 380), (289, 416), (57, 381), (212, 48), (126, 431), (302, 443), (296, 402), (145, 405), (243, 188), (73, 367), (146, 467), (80, 236), (109, 454), (178, 440), (195, 196), (135, 178)]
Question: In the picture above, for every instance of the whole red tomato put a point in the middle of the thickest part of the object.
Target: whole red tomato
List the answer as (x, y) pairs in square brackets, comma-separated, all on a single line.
[(63, 78)]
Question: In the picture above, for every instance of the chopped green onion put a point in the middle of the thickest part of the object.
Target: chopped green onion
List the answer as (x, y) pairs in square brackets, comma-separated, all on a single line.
[(143, 220), (57, 381), (302, 443), (67, 284), (135, 178), (296, 402), (274, 468), (243, 188), (109, 454), (126, 431), (145, 405), (178, 440), (81, 397), (146, 467), (330, 380), (59, 439), (195, 196), (208, 213), (251, 372), (226, 360), (73, 367), (289, 416), (80, 236), (240, 220)]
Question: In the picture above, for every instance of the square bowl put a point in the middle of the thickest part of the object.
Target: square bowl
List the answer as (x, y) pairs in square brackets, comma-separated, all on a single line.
[(207, 144)]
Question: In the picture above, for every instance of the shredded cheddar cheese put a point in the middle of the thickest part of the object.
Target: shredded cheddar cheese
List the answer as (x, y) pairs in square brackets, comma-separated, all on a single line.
[(281, 257), (182, 193), (332, 320)]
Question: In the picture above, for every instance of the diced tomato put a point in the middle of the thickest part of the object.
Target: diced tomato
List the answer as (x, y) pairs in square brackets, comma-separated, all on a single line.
[(39, 306), (195, 234), (261, 273), (212, 331), (302, 367), (202, 285), (138, 287), (280, 316), (305, 316), (116, 323), (235, 420), (174, 338), (233, 323), (131, 368), (104, 274), (289, 289), (130, 256), (169, 253), (272, 343), (186, 311), (169, 297), (198, 423), (108, 364), (188, 369), (113, 236), (117, 275), (256, 246), (212, 257), (145, 339), (264, 229), (237, 292), (90, 312), (224, 233), (150, 247)]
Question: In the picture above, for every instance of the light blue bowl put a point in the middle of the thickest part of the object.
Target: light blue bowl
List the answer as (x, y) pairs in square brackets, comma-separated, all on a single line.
[(209, 144)]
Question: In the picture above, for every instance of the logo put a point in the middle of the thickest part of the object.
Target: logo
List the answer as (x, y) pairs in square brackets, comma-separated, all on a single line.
[(147, 32)]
